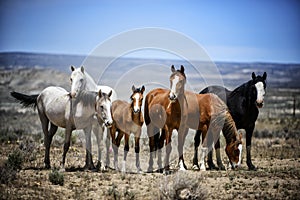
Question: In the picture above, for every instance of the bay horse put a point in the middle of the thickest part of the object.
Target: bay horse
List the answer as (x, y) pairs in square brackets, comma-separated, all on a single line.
[(209, 114), (81, 80), (57, 109), (128, 118), (165, 109), (243, 104)]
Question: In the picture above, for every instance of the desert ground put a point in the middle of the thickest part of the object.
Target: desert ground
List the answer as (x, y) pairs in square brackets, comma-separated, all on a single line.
[(275, 152)]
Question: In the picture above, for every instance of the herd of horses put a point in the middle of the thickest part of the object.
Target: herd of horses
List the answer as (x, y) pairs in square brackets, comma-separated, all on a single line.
[(93, 108)]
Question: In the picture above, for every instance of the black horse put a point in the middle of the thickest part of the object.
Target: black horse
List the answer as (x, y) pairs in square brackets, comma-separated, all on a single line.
[(243, 104)]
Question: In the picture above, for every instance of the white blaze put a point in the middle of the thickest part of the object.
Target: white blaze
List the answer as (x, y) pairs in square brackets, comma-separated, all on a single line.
[(174, 83), (260, 92), (136, 106)]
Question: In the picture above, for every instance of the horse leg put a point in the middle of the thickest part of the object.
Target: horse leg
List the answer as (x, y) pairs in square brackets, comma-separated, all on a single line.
[(47, 139), (204, 149), (160, 144), (98, 131), (181, 139), (249, 132), (168, 149), (218, 155), (150, 132), (88, 159), (116, 144), (137, 151), (126, 149), (196, 145), (210, 163), (107, 143), (66, 147)]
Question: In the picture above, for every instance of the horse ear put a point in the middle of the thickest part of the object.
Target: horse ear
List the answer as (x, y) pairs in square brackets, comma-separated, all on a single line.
[(72, 68), (253, 75), (182, 69), (110, 93), (143, 89), (100, 93), (265, 76), (82, 69), (133, 88), (173, 68)]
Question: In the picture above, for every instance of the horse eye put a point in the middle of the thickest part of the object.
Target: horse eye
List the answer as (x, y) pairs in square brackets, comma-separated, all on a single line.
[(81, 80), (71, 79), (101, 107)]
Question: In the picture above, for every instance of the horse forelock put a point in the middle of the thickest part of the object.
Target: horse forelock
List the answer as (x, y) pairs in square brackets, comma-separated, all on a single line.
[(178, 73)]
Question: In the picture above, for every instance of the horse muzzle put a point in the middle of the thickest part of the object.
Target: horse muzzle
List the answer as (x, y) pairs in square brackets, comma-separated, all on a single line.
[(259, 104), (172, 97), (108, 124)]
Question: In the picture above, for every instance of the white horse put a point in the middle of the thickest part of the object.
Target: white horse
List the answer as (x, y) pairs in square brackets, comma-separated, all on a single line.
[(80, 81), (55, 107)]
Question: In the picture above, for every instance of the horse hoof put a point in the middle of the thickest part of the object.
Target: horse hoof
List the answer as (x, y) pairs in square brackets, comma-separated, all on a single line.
[(202, 167), (47, 166), (182, 166), (212, 167), (196, 167), (252, 168), (167, 172), (62, 169), (221, 167)]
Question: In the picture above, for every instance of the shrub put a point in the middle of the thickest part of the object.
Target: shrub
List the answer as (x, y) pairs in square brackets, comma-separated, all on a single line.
[(183, 185), (7, 174), (15, 160), (56, 177)]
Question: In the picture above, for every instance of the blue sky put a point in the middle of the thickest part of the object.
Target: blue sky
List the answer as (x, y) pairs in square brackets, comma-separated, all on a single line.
[(246, 31)]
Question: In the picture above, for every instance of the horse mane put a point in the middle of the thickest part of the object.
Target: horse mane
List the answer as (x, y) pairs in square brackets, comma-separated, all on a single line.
[(91, 84), (222, 118), (86, 97), (242, 89)]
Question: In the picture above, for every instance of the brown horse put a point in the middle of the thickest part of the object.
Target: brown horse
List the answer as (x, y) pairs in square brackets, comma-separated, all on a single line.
[(166, 109), (128, 118), (209, 114)]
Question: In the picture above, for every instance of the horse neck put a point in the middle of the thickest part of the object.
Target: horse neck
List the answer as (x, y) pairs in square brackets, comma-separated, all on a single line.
[(244, 90), (90, 83), (87, 98), (137, 118), (229, 128)]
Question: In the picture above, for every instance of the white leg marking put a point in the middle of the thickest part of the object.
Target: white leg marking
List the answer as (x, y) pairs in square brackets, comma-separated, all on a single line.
[(181, 166)]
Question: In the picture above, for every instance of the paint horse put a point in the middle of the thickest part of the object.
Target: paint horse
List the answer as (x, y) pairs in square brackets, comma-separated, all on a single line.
[(243, 103), (209, 114), (57, 109), (128, 118), (166, 110), (81, 80)]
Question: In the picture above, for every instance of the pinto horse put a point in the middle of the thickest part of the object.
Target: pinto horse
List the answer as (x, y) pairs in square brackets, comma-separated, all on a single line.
[(57, 109), (128, 118), (243, 103), (166, 109)]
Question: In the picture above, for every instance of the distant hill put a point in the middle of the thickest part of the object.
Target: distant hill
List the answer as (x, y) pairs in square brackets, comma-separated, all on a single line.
[(233, 74)]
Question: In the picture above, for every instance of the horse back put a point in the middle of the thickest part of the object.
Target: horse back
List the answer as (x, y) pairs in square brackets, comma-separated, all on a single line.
[(155, 100), (52, 102), (220, 91)]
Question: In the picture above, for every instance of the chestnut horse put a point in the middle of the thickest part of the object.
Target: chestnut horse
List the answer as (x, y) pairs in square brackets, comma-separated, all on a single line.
[(128, 119), (209, 114), (166, 109)]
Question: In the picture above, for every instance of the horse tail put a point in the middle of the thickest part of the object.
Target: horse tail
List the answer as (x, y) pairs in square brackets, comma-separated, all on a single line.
[(146, 111), (26, 100)]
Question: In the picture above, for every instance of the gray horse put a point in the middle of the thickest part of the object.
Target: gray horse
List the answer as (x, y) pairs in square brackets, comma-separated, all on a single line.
[(57, 108)]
